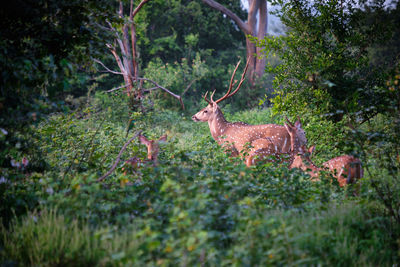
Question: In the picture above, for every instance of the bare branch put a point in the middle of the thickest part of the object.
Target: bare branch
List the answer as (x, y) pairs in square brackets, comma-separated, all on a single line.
[(189, 85), (165, 89), (110, 25), (150, 89), (105, 67), (117, 88), (242, 25), (157, 86), (130, 11), (113, 29), (139, 7), (103, 27), (118, 157), (119, 62)]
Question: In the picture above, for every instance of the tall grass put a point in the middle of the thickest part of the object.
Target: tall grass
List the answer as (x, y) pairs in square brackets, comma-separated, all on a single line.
[(49, 239), (344, 235)]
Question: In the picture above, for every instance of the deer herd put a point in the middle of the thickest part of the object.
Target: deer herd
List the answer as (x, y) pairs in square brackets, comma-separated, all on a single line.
[(265, 142)]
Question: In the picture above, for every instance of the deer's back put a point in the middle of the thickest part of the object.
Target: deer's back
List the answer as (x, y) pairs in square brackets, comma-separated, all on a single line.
[(345, 167), (241, 133)]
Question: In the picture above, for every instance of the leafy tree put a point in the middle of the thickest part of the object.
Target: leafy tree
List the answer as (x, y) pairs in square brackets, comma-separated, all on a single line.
[(174, 29), (325, 57), (178, 31), (45, 45), (339, 60)]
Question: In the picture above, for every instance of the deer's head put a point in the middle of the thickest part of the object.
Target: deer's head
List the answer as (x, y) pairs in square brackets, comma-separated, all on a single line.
[(212, 110), (209, 112), (152, 146), (304, 162), (297, 134)]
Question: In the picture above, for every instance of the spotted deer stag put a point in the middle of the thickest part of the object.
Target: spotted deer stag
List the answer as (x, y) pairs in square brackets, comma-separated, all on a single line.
[(152, 153), (235, 137), (346, 169)]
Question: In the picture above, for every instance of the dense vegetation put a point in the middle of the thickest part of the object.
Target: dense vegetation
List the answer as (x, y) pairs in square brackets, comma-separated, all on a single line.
[(336, 66)]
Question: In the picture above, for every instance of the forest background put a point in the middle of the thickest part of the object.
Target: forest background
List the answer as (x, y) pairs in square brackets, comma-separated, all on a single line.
[(67, 109)]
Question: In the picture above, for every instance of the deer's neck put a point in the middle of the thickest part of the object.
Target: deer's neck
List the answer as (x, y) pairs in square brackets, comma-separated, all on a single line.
[(218, 125), (312, 165)]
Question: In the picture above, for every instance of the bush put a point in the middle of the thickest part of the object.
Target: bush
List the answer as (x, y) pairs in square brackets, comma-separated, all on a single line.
[(181, 78), (196, 206)]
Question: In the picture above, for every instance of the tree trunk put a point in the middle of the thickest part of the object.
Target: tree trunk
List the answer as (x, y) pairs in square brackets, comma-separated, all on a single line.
[(127, 62), (126, 42), (262, 32), (256, 26)]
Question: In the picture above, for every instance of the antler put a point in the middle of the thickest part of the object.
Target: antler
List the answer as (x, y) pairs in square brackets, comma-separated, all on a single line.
[(205, 98), (229, 94), (230, 84)]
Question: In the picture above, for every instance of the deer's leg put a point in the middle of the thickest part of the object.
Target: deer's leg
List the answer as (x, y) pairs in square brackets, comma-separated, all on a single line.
[(249, 160), (351, 170), (254, 157), (261, 148), (231, 150)]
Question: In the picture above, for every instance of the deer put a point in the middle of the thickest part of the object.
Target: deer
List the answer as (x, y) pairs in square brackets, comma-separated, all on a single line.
[(265, 148), (234, 137), (347, 169), (152, 153)]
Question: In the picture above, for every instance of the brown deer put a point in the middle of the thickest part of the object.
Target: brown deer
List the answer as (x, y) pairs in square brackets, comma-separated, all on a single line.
[(235, 136), (152, 153), (346, 169), (264, 148)]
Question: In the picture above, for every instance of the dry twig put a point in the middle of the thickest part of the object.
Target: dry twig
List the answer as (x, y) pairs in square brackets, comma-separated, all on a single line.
[(118, 157)]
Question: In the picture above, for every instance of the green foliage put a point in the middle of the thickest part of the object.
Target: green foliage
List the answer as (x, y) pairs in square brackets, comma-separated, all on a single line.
[(325, 66), (196, 206), (175, 29), (330, 71), (50, 239), (346, 235), (378, 140), (43, 45), (327, 237), (182, 78)]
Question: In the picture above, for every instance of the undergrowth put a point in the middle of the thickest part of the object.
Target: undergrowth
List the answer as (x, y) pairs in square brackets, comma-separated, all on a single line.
[(197, 207)]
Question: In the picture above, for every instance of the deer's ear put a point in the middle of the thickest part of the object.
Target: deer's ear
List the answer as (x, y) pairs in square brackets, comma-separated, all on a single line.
[(163, 138), (143, 140), (288, 121), (288, 128), (298, 124), (311, 150)]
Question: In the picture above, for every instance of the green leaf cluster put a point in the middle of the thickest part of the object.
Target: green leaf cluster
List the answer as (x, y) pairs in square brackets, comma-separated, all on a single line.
[(326, 62)]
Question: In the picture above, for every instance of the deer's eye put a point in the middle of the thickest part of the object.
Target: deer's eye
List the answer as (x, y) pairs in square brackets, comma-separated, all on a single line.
[(205, 111)]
